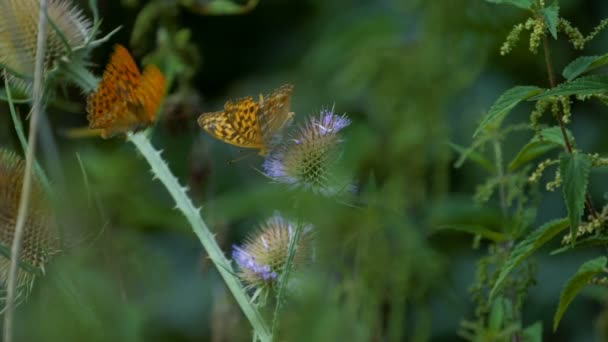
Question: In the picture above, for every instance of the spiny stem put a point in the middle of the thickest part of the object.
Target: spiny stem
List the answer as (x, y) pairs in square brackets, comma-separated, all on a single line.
[(291, 252), (553, 84), (162, 172), (27, 177)]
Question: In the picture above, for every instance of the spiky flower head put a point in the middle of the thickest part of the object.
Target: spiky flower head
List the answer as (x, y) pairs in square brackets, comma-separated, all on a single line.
[(263, 257), (19, 31), (308, 157), (40, 238)]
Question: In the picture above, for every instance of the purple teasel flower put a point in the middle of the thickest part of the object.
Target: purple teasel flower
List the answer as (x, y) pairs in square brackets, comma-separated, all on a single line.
[(306, 158)]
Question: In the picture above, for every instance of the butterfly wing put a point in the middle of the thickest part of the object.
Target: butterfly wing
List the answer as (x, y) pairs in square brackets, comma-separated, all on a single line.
[(218, 125), (124, 98), (243, 116), (150, 92), (275, 112)]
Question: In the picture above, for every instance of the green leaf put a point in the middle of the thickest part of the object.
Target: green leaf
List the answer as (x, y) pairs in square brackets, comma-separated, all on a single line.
[(497, 314), (469, 153), (574, 169), (526, 247), (222, 7), (587, 85), (549, 139), (584, 243), (505, 103), (584, 274), (582, 65), (551, 15), (475, 230), (534, 332), (525, 4)]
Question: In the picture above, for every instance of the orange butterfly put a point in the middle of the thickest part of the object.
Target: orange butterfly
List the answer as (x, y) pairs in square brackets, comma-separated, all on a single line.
[(125, 100), (251, 124)]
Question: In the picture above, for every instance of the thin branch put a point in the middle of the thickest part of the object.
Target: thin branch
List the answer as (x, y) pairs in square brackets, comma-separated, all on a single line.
[(553, 84), (27, 177)]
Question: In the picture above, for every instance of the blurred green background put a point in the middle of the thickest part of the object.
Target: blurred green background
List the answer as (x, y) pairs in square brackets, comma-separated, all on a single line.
[(412, 75)]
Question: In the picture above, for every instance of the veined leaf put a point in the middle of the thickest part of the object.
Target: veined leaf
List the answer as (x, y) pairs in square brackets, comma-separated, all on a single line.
[(475, 230), (581, 86), (505, 103), (574, 169), (551, 15), (549, 139), (528, 246), (525, 4), (584, 274), (584, 64), (469, 153)]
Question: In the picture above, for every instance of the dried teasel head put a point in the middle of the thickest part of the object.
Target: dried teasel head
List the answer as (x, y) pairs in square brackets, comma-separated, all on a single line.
[(263, 256), (41, 236), (68, 29)]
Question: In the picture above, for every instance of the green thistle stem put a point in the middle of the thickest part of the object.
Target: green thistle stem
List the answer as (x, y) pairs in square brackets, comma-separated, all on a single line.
[(291, 252), (161, 170)]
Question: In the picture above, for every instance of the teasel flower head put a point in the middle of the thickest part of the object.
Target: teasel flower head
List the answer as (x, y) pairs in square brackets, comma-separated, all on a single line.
[(264, 255), (307, 158), (41, 237), (68, 34)]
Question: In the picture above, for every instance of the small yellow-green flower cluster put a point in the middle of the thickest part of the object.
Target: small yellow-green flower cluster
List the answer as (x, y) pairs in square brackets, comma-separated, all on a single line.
[(539, 109), (556, 182), (540, 169), (597, 161), (593, 225)]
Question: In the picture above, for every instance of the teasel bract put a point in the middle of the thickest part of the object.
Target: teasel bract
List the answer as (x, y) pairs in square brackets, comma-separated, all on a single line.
[(41, 236), (69, 40)]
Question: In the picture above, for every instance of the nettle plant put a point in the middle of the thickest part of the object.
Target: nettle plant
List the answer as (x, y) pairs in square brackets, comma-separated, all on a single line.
[(505, 274)]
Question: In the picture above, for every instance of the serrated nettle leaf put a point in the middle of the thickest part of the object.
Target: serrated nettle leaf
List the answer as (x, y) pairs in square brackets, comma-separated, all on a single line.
[(581, 278), (548, 139), (551, 15), (574, 169), (470, 153), (527, 247), (525, 4), (587, 85), (584, 64), (505, 103)]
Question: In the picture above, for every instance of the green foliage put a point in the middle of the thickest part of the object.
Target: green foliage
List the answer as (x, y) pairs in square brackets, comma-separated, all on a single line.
[(548, 139), (574, 169), (587, 85), (525, 4), (505, 103), (551, 15), (582, 65), (527, 247), (575, 284)]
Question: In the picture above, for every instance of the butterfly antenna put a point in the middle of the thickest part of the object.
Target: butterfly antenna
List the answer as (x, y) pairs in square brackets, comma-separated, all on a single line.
[(230, 162)]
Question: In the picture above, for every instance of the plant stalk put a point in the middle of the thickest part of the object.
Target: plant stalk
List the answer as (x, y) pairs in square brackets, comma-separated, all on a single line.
[(161, 171), (569, 148), (37, 109)]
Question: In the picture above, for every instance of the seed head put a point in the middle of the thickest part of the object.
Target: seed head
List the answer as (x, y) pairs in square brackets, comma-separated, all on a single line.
[(41, 237), (263, 257), (19, 31), (307, 158)]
